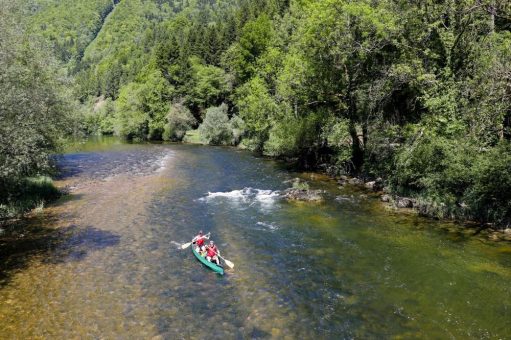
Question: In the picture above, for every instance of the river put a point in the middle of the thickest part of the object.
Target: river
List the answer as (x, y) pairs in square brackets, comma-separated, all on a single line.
[(105, 261)]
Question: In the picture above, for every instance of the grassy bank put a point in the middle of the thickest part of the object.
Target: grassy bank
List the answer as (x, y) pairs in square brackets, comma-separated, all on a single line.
[(192, 137), (31, 193)]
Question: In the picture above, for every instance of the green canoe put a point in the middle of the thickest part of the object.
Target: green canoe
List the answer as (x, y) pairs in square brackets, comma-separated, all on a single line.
[(205, 262)]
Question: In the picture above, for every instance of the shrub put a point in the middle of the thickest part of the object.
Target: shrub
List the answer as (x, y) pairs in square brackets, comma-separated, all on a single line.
[(338, 137), (216, 127), (490, 197), (179, 120), (454, 178), (237, 128), (25, 195)]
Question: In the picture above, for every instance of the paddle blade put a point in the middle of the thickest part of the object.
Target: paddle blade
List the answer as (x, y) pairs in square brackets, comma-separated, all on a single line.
[(229, 263), (186, 245)]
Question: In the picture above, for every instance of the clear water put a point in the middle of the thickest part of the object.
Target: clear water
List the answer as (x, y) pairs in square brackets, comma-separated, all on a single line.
[(105, 261)]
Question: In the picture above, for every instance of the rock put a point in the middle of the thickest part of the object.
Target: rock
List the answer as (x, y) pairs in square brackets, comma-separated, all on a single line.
[(370, 185), (494, 237), (404, 202), (343, 180), (375, 185), (355, 181), (386, 198), (293, 194)]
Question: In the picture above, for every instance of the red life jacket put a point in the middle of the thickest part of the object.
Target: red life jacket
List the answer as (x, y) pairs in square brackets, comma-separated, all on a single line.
[(211, 251), (200, 242)]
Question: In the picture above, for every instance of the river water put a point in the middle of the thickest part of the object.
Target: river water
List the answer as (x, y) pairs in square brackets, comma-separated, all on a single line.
[(104, 261)]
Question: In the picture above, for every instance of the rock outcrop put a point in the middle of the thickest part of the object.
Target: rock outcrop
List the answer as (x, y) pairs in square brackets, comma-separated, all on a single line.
[(306, 195)]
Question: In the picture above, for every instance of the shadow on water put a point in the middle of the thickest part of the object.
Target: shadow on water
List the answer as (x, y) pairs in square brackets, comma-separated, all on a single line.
[(66, 165), (30, 239)]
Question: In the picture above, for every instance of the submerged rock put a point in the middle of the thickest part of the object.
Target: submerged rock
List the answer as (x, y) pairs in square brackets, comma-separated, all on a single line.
[(345, 198), (293, 194)]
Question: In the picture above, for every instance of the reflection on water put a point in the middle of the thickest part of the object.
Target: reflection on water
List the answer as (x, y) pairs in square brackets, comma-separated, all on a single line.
[(108, 263)]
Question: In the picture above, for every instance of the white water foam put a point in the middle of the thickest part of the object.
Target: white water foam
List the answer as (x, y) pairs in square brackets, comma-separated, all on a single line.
[(235, 194), (246, 195), (266, 196), (162, 163)]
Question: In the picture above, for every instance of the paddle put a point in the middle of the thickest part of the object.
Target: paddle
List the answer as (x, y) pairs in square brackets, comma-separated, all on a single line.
[(227, 262), (186, 245)]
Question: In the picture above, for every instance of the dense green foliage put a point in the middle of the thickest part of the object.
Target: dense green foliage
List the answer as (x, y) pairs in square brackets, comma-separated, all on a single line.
[(415, 92), (69, 26), (216, 128), (179, 120), (34, 108)]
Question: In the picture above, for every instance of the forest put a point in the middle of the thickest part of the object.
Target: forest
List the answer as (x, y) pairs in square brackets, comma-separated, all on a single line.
[(417, 93)]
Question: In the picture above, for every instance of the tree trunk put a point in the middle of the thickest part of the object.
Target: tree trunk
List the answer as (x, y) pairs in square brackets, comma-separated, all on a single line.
[(506, 127), (364, 134), (492, 16), (357, 153)]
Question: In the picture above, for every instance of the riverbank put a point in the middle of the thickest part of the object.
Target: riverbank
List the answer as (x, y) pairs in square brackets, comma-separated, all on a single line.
[(32, 193), (418, 204), (407, 205)]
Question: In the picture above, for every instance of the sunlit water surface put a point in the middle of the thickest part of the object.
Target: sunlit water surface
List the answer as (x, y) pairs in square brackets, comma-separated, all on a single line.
[(105, 260)]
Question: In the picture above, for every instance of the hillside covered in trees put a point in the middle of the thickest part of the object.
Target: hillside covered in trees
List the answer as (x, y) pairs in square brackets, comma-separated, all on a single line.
[(417, 93)]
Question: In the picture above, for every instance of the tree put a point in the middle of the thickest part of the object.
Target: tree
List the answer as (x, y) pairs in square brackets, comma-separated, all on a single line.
[(142, 107), (258, 110), (35, 106), (210, 85), (241, 57), (347, 45)]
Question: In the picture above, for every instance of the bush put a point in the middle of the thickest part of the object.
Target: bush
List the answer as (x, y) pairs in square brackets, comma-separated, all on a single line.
[(237, 128), (435, 164), (338, 137), (284, 138), (25, 195), (216, 127), (456, 179), (490, 197), (179, 120)]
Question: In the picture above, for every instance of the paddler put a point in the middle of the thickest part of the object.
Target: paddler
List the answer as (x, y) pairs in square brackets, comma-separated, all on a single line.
[(212, 253), (200, 242)]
